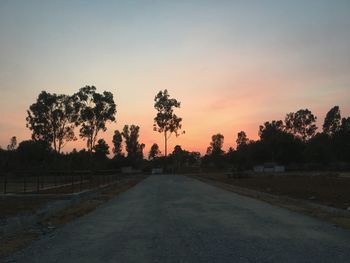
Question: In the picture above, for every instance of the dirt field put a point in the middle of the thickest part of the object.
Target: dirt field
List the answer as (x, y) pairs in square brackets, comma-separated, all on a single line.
[(328, 190), (15, 206), (11, 206), (61, 184)]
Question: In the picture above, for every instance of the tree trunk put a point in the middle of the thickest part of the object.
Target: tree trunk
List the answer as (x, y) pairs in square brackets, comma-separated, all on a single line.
[(165, 144)]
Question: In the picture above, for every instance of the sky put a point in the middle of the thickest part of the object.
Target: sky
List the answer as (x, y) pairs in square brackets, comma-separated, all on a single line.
[(232, 64)]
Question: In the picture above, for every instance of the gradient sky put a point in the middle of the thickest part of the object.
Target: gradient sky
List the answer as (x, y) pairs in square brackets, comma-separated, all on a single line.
[(232, 64)]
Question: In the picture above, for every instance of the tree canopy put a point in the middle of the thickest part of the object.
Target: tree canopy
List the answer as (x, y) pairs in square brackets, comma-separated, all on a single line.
[(242, 139), (216, 144), (332, 121), (301, 124), (95, 110), (154, 152), (166, 121), (13, 144), (101, 149), (117, 143), (133, 147), (52, 119)]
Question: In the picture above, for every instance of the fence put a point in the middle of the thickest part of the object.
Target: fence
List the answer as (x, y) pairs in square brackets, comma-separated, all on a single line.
[(57, 181)]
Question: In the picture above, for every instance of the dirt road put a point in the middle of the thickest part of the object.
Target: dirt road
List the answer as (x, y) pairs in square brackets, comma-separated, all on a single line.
[(178, 219)]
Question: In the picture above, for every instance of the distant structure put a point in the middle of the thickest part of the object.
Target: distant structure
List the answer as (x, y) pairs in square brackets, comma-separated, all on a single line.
[(269, 168)]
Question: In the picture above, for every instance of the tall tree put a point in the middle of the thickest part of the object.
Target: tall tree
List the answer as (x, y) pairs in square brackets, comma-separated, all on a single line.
[(269, 129), (332, 122), (101, 149), (31, 151), (345, 125), (242, 139), (301, 124), (133, 147), (216, 144), (276, 144), (52, 119), (95, 111), (178, 157), (140, 149), (117, 143), (154, 151), (166, 121), (342, 140), (13, 144)]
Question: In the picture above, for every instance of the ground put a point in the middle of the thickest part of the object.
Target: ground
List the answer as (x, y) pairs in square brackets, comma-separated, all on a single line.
[(324, 188), (19, 205), (168, 218)]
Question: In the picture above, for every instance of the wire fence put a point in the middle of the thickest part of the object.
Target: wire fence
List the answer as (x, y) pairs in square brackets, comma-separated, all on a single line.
[(38, 182)]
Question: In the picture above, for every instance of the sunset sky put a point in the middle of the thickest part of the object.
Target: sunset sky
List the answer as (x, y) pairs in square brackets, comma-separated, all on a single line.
[(232, 64)]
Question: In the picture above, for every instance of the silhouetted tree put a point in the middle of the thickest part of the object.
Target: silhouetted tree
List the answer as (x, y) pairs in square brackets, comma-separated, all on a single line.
[(342, 140), (319, 149), (194, 158), (215, 148), (52, 119), (13, 144), (178, 157), (33, 151), (95, 110), (332, 122), (133, 147), (345, 125), (181, 158), (154, 152), (140, 149), (101, 149), (166, 121), (215, 154), (301, 124), (277, 144), (242, 139), (117, 143), (80, 160), (269, 129)]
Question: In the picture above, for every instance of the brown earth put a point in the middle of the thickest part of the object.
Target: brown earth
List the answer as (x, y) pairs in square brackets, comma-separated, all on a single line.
[(325, 189), (11, 206), (14, 242)]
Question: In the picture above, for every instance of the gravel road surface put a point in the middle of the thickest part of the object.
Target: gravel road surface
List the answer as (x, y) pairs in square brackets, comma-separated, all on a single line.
[(168, 218)]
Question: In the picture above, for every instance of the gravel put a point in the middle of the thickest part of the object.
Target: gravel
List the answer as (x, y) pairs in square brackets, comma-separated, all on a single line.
[(168, 218)]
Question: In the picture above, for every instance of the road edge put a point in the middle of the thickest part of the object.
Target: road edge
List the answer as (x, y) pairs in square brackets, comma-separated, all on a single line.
[(338, 217)]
